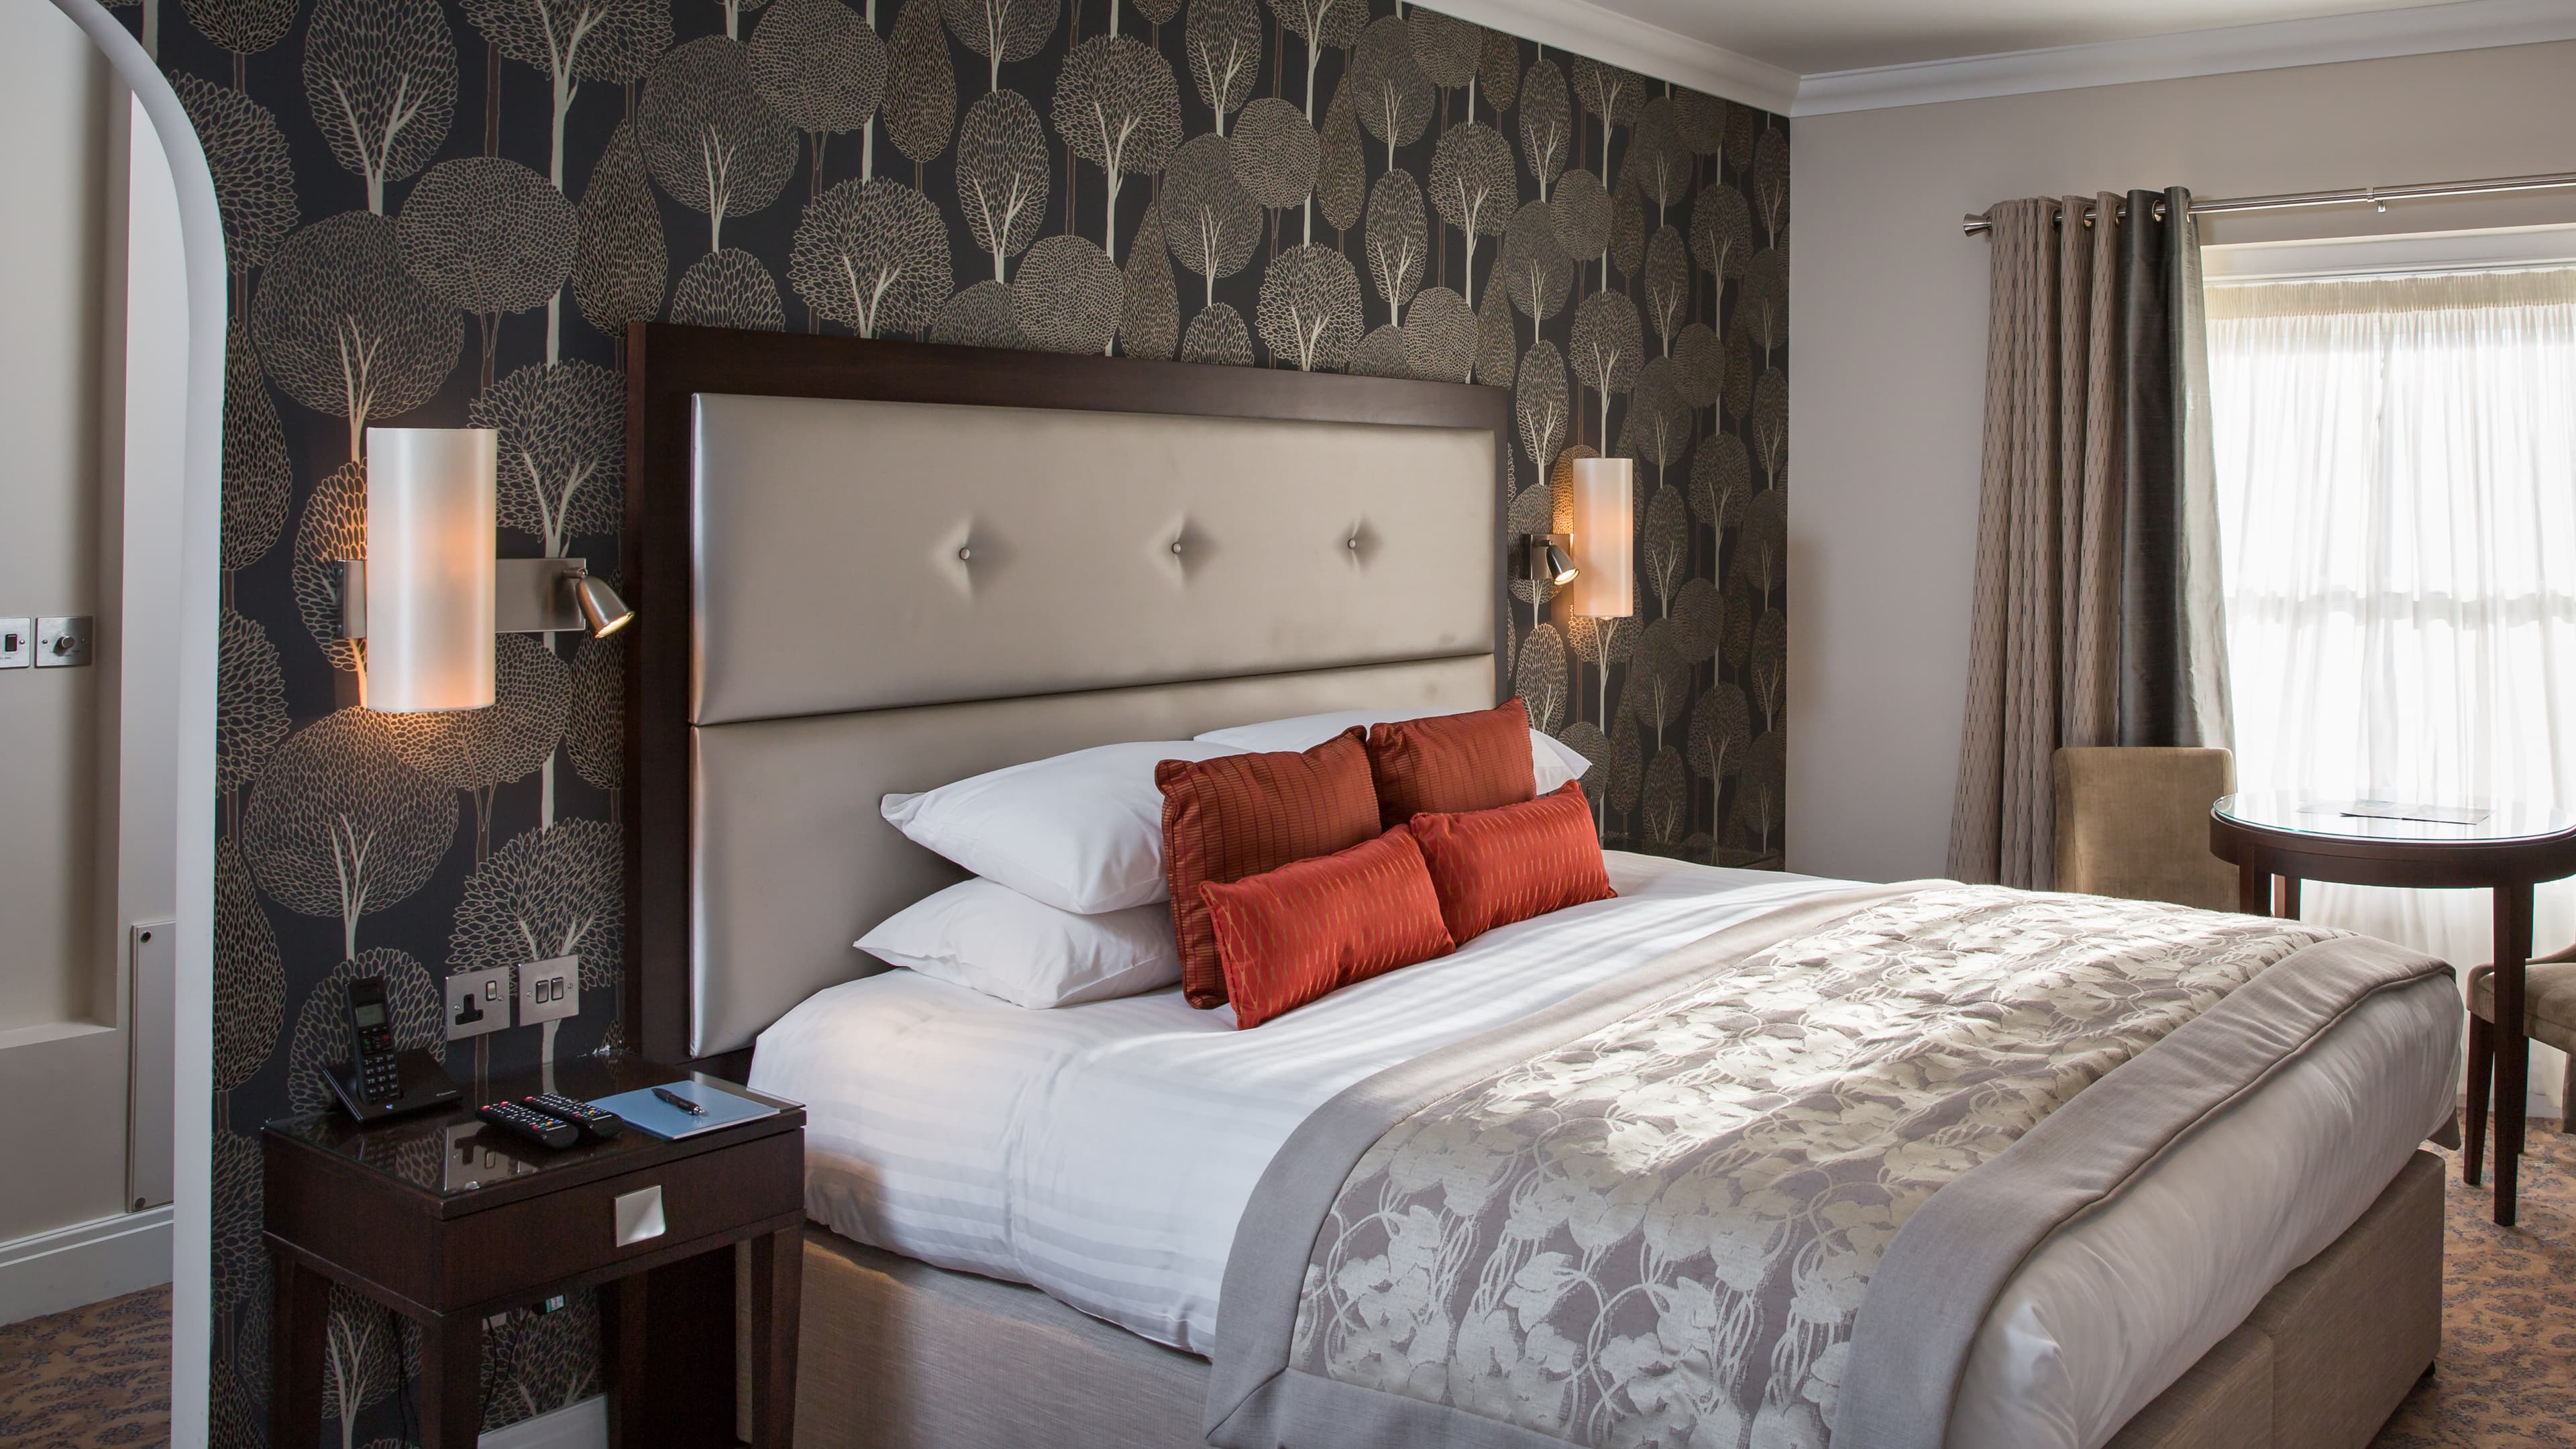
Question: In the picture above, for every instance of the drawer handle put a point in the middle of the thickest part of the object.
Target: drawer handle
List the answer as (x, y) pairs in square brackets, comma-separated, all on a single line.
[(639, 1215)]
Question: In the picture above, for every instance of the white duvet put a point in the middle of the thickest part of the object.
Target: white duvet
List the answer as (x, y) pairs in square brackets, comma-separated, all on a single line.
[(1105, 1152)]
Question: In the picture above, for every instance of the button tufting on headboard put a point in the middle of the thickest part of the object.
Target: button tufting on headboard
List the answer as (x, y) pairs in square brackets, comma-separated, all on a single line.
[(1273, 530)]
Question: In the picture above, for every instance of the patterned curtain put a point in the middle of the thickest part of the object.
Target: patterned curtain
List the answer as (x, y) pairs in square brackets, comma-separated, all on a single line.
[(2098, 614)]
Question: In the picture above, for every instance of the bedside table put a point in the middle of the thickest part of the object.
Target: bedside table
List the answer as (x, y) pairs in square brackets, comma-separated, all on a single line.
[(447, 1220)]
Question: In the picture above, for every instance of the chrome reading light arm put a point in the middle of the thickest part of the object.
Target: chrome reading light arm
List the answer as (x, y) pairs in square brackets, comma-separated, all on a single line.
[(529, 596), (1550, 558)]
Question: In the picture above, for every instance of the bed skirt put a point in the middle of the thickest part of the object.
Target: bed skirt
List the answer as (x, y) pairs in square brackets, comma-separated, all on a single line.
[(896, 1354)]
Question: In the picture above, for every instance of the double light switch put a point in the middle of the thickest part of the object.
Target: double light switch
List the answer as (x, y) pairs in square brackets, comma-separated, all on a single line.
[(59, 642)]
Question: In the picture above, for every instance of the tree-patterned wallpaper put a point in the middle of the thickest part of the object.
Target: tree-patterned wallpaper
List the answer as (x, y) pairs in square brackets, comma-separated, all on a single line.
[(447, 212)]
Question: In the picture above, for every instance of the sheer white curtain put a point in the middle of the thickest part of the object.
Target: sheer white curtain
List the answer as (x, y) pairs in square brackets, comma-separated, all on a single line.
[(2397, 502)]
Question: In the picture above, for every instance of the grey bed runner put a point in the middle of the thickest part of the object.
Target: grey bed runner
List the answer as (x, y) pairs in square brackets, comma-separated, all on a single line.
[(1760, 1192)]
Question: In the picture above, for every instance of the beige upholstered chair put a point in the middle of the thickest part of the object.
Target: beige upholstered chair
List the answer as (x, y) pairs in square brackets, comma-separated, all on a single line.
[(2548, 1015), (2134, 823)]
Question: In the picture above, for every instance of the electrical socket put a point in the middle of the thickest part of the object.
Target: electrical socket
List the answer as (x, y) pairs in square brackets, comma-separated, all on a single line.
[(477, 1002), (549, 990)]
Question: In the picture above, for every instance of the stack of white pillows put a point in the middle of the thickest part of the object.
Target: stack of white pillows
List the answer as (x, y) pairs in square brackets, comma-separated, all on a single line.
[(1070, 902)]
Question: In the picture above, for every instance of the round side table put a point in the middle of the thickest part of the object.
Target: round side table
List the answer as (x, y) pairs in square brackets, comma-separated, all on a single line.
[(2278, 839)]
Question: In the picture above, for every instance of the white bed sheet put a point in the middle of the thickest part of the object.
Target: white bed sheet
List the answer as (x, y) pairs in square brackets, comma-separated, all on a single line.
[(1104, 1153)]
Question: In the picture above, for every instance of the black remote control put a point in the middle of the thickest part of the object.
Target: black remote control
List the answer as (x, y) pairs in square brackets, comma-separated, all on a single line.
[(595, 1124), (537, 1127)]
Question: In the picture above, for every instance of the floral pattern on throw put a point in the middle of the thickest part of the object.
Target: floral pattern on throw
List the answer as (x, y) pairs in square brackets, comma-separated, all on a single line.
[(1659, 1233)]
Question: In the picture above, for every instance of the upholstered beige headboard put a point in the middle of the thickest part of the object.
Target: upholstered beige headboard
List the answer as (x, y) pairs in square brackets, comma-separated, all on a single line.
[(943, 568)]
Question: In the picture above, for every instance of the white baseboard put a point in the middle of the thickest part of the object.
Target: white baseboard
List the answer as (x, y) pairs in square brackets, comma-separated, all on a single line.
[(575, 1426), (85, 1263)]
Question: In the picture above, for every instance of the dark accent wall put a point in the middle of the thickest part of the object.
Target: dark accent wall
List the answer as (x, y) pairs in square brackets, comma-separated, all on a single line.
[(446, 213)]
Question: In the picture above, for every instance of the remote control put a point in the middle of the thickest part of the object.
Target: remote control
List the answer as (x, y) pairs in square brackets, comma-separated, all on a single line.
[(595, 1124), (537, 1127)]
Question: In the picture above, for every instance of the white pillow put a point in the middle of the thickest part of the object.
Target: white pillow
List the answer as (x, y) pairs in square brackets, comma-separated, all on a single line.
[(1081, 832), (999, 942), (1552, 761)]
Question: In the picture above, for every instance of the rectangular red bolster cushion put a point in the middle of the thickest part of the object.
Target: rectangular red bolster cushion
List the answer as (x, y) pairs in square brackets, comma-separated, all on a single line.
[(1240, 815), (1452, 762), (1312, 927), (1494, 867)]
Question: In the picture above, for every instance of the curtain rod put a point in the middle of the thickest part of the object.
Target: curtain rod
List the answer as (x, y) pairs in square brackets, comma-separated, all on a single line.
[(1976, 224)]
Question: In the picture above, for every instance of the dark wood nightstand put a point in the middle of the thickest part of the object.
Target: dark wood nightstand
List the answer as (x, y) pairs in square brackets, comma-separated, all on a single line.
[(447, 1221)]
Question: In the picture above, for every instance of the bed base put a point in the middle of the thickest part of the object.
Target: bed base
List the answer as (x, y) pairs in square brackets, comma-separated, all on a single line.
[(900, 1355)]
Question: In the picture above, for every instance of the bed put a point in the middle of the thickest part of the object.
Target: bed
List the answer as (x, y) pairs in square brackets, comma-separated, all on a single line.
[(871, 567)]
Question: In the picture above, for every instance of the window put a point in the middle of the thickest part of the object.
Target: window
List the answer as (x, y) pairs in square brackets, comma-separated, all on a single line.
[(2397, 500)]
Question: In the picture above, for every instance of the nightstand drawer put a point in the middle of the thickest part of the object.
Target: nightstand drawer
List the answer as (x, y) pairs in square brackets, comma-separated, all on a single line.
[(563, 1234)]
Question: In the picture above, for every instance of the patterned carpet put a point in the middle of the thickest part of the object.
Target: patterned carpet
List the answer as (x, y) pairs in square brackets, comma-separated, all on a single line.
[(2508, 1368), (95, 1376), (100, 1376)]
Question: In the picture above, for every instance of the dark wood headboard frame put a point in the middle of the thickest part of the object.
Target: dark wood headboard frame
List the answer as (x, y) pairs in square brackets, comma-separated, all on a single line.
[(666, 365)]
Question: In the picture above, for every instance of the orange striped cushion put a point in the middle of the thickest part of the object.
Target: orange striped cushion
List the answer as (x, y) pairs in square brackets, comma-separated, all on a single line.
[(1312, 927), (1452, 762), (1494, 867), (1239, 815)]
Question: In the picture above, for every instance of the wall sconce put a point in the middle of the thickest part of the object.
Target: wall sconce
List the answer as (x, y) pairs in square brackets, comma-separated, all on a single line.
[(430, 520), (429, 596), (1550, 560), (1605, 586)]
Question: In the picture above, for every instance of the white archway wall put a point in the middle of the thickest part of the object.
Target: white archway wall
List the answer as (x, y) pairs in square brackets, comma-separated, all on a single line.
[(193, 601)]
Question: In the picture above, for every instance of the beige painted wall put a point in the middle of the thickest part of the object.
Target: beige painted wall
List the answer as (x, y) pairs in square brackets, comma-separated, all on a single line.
[(1888, 304), (53, 275), (93, 307)]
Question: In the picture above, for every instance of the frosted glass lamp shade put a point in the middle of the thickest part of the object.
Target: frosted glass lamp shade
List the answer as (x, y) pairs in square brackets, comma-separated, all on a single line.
[(1604, 529), (430, 554)]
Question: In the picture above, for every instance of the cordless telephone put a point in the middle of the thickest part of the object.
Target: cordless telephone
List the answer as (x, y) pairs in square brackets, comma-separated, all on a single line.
[(371, 1041), (378, 1081)]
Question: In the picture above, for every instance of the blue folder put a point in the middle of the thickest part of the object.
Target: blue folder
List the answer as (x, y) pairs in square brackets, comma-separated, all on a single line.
[(654, 1117)]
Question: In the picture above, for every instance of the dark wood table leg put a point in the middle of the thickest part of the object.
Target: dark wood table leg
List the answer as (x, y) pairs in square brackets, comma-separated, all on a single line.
[(2253, 884), (2512, 1049), (2285, 897), (451, 1370), (2479, 1089), (777, 1281), (296, 1339), (621, 1352)]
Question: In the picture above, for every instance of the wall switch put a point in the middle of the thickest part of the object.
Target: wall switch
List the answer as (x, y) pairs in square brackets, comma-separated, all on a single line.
[(549, 990), (17, 643), (63, 643), (477, 1002)]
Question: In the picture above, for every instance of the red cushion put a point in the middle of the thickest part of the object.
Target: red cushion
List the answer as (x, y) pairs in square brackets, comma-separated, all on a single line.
[(1494, 867), (1452, 762), (1311, 927), (1239, 815)]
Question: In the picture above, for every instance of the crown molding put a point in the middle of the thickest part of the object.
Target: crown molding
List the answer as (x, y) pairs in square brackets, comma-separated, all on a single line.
[(1605, 35), (2377, 35)]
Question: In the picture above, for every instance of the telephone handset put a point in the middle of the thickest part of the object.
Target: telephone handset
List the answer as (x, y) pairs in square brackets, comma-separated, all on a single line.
[(371, 1041), (378, 1081)]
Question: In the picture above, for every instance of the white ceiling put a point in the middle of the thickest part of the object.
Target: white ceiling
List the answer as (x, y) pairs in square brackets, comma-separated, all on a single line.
[(1812, 57), (1810, 37)]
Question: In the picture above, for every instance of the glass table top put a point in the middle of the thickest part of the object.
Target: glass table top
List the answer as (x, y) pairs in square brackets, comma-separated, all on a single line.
[(449, 1151), (2351, 817)]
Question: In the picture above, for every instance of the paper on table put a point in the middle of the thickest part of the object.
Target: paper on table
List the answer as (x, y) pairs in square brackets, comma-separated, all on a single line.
[(654, 1117), (2394, 810)]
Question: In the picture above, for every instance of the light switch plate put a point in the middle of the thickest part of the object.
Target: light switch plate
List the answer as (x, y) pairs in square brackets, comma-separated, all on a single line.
[(549, 990), (477, 1002), (63, 642), (17, 643)]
